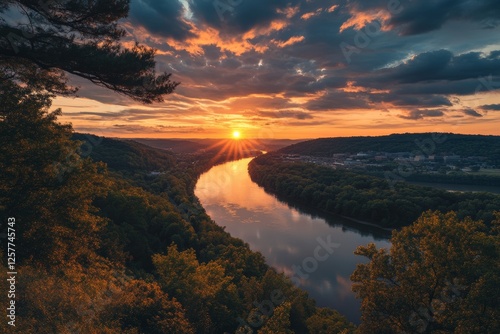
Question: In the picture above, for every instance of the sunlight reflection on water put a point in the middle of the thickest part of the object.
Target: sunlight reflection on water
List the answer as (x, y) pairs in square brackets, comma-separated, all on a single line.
[(284, 235)]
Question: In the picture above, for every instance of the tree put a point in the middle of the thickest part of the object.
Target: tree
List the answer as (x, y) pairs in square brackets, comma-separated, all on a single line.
[(441, 275), (328, 321), (279, 322), (143, 308), (204, 289), (42, 40)]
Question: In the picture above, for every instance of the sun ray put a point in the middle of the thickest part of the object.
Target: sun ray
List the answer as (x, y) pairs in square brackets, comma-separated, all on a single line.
[(230, 149)]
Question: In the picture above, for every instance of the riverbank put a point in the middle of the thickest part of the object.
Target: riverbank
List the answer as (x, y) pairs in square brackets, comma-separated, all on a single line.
[(387, 229), (287, 235)]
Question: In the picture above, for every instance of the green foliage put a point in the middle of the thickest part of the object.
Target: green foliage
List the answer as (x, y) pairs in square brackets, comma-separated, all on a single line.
[(328, 321), (363, 197), (141, 224), (440, 276)]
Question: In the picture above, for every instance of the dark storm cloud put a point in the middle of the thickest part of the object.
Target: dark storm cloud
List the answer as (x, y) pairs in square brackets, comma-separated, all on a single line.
[(337, 100), (423, 16), (471, 112), (430, 76), (412, 100), (238, 15), (443, 65), (443, 87), (422, 113), (162, 18), (425, 66), (495, 107), (212, 51)]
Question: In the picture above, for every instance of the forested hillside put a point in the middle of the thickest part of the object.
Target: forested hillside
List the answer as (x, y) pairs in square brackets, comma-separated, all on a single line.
[(426, 143), (363, 197)]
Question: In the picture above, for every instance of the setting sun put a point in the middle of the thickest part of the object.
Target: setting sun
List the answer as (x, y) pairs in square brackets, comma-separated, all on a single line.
[(236, 135)]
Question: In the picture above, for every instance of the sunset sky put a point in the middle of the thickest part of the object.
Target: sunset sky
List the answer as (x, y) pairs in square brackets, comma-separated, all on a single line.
[(307, 69)]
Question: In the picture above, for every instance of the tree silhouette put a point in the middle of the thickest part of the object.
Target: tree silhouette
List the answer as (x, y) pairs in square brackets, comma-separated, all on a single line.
[(43, 40)]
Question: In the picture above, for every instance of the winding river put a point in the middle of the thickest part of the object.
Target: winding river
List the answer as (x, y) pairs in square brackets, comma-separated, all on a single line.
[(315, 250)]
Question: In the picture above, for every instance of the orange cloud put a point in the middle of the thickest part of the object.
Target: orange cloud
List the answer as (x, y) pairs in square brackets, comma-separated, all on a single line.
[(332, 8), (352, 88), (307, 16), (359, 20), (290, 41), (289, 12), (238, 44)]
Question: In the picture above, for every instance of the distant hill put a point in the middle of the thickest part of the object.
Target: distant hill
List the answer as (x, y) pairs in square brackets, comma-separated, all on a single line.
[(125, 155), (195, 144), (426, 143), (174, 145)]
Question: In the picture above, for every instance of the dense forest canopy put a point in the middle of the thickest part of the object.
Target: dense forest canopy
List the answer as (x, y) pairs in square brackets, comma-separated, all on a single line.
[(364, 197), (441, 275)]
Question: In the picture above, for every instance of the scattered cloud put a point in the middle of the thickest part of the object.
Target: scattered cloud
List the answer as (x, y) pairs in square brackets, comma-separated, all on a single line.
[(494, 107), (471, 112), (280, 64), (420, 114)]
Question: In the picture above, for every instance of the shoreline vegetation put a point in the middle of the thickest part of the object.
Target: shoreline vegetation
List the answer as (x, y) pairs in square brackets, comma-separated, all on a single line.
[(365, 223), (365, 198), (327, 215)]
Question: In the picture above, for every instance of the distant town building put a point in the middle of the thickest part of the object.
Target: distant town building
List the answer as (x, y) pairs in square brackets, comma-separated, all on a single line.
[(350, 162)]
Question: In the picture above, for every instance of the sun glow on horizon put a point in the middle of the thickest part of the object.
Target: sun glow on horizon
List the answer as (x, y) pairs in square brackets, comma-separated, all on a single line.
[(236, 135)]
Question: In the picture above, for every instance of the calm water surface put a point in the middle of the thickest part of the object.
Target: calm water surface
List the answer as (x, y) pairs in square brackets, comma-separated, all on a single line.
[(287, 236)]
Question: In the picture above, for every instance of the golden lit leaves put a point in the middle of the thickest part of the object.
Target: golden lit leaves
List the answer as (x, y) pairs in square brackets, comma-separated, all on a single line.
[(202, 288), (439, 273), (145, 308), (183, 276), (279, 322)]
